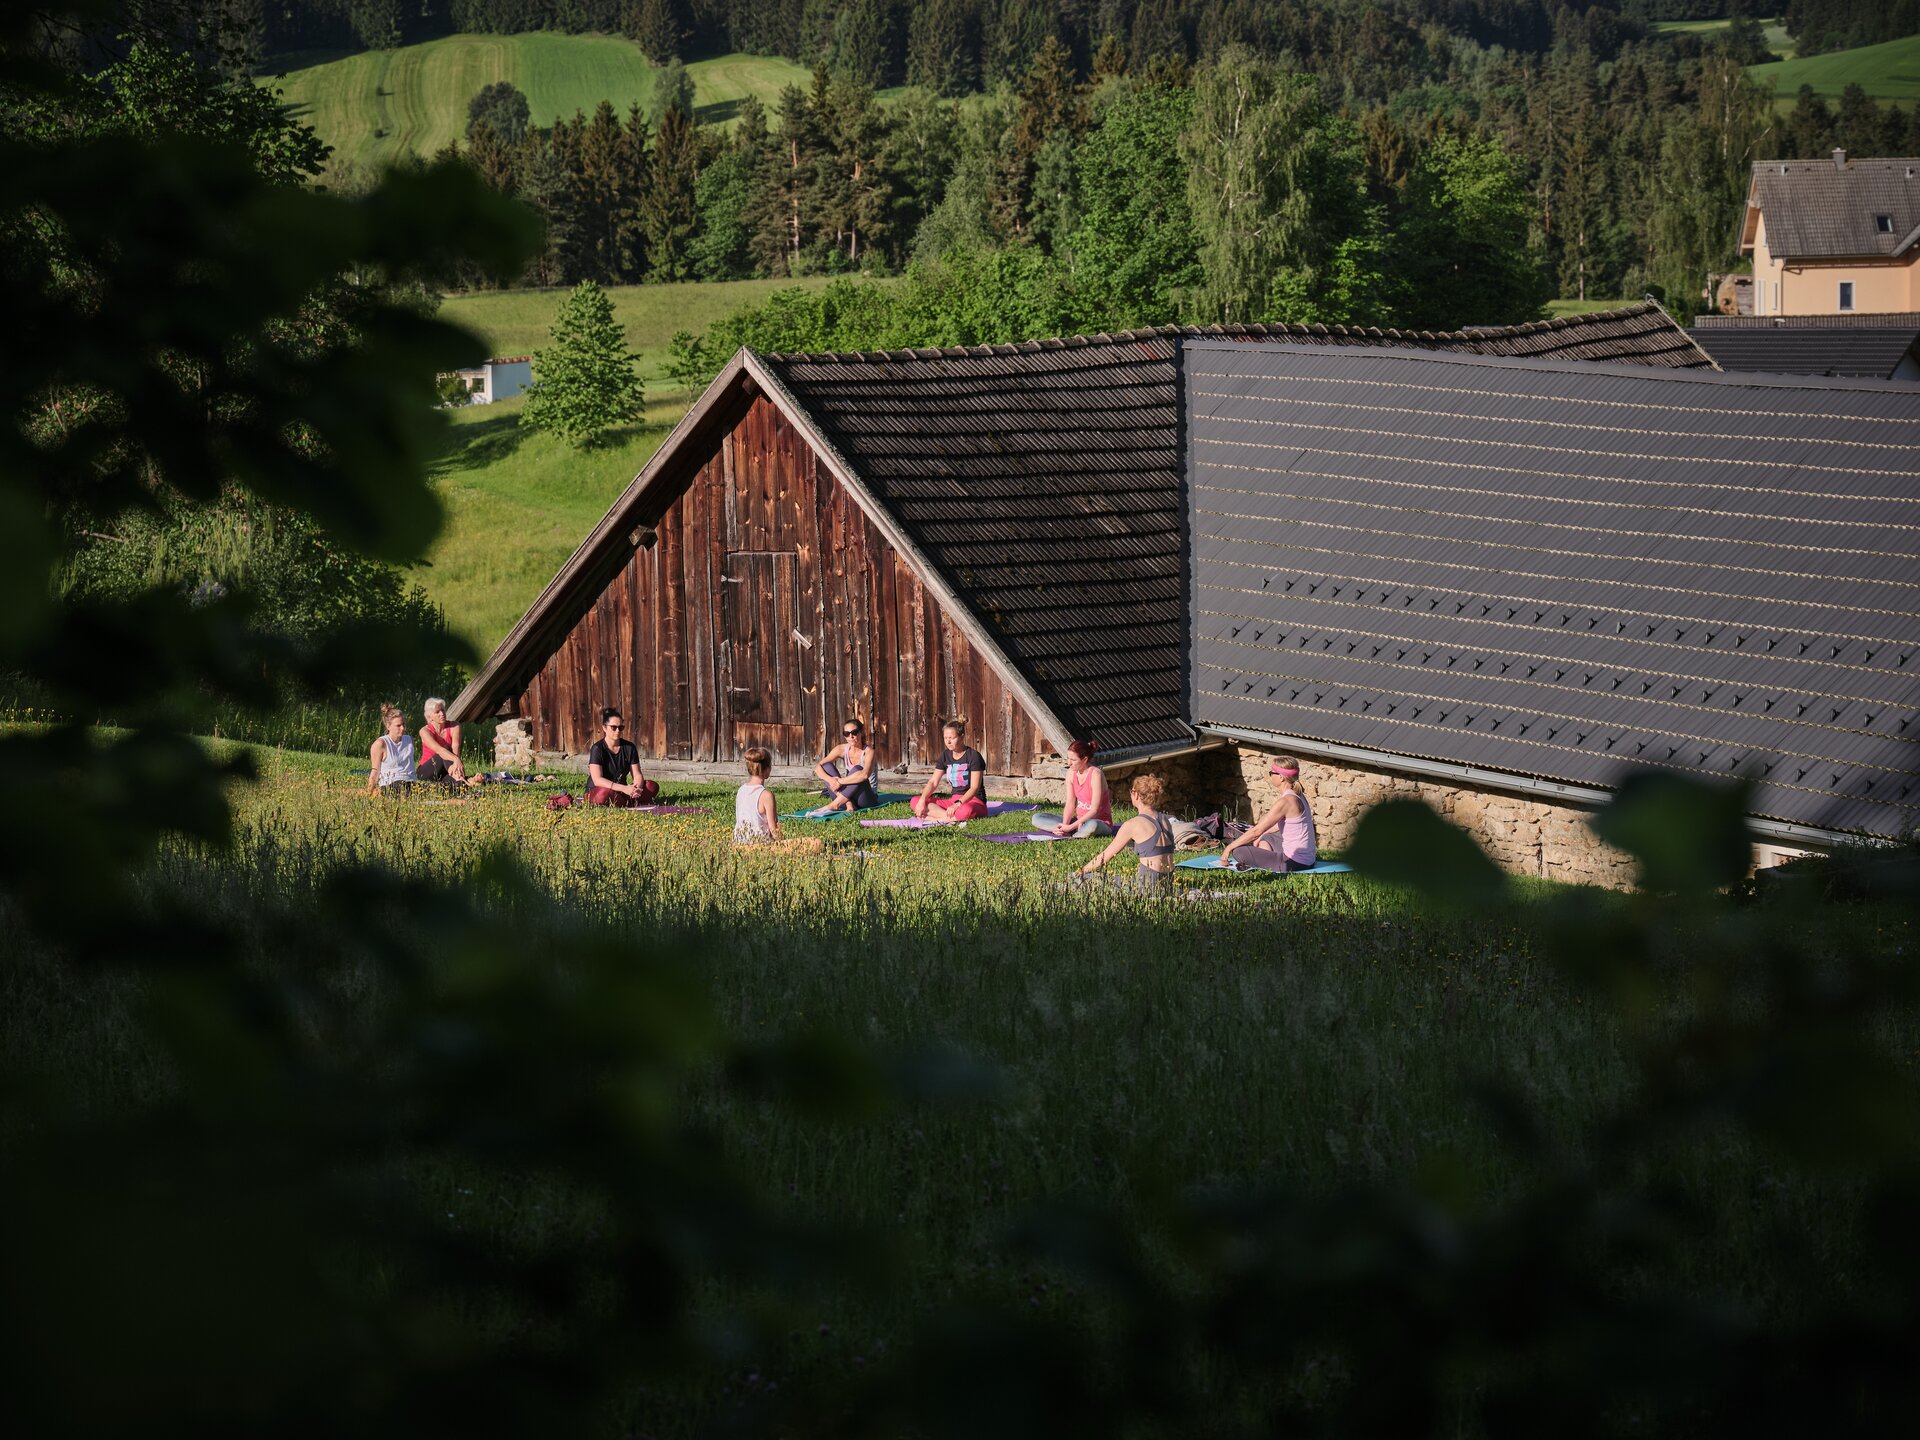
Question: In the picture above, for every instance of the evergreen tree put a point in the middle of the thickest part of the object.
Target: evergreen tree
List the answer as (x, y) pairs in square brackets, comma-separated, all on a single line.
[(540, 165), (605, 200), (864, 43), (493, 160), (655, 27), (1049, 107), (943, 47), (668, 213), (636, 172), (779, 189), (921, 145), (584, 383)]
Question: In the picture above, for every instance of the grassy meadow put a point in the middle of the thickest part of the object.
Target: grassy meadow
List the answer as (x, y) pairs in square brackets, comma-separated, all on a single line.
[(517, 503), (1315, 1032), (1778, 40), (518, 322), (1889, 71), (376, 106)]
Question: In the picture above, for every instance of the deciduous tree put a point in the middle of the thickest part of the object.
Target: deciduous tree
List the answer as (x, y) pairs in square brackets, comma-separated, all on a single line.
[(584, 383)]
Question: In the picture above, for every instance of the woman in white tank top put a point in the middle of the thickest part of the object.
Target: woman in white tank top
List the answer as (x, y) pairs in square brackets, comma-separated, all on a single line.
[(391, 758), (756, 820)]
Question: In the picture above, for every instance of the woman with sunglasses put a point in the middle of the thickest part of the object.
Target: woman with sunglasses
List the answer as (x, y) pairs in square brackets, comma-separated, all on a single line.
[(613, 766), (1284, 839), (846, 773)]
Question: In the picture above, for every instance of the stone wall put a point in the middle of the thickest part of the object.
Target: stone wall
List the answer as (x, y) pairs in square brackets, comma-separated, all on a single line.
[(1525, 835)]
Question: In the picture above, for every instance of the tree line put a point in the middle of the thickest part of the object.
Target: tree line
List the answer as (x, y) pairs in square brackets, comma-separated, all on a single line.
[(1486, 182)]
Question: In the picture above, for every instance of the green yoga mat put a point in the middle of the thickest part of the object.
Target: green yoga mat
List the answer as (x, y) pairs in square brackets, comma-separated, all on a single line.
[(1213, 862)]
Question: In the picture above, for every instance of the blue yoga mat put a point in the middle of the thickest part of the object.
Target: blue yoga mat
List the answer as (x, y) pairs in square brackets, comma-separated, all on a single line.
[(808, 814), (1213, 862)]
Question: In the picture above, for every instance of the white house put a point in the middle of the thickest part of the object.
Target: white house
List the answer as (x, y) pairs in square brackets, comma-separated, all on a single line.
[(499, 379)]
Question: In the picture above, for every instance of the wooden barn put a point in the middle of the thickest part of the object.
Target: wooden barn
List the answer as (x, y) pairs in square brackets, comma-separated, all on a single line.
[(995, 531)]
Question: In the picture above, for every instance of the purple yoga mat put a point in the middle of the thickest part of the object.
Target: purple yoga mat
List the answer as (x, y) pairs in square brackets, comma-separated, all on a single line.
[(1007, 807), (1021, 837), (905, 823)]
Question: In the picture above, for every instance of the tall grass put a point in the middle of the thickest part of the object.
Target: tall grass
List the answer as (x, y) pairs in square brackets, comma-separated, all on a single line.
[(1321, 1031)]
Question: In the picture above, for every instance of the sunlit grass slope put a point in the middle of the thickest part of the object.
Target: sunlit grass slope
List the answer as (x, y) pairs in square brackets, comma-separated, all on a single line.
[(1886, 72), (376, 106)]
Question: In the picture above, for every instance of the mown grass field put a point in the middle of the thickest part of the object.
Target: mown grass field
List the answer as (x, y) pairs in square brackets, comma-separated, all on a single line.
[(377, 106), (1890, 71), (1778, 40), (517, 503), (1313, 1033), (518, 322)]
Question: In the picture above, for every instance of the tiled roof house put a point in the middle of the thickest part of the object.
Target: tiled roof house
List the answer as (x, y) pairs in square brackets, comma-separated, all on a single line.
[(1834, 237)]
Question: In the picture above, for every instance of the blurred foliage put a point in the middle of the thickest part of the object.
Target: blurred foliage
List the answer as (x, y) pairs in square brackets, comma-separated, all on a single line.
[(249, 1247)]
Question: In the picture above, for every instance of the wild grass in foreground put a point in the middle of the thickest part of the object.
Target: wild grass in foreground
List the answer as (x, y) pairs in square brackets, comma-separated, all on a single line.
[(1319, 1033)]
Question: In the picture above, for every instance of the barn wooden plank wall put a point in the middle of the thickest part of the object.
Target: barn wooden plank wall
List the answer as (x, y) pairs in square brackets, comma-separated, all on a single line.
[(768, 610)]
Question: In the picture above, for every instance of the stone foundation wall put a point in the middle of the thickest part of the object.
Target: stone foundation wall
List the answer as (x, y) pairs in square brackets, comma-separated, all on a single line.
[(512, 745), (1524, 835)]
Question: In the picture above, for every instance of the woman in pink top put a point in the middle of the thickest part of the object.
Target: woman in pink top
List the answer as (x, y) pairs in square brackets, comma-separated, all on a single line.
[(1089, 802), (1284, 838)]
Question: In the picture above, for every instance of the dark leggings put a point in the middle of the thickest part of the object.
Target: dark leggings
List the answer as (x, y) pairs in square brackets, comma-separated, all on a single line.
[(863, 796), (434, 768)]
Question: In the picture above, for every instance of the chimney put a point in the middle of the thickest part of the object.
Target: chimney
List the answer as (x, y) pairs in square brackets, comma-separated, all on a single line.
[(1839, 158)]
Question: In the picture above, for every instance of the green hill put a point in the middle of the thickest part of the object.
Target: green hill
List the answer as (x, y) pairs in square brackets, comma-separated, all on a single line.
[(1886, 72), (1778, 40), (376, 106)]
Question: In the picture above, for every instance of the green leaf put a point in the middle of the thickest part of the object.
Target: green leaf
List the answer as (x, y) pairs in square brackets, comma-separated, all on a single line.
[(1688, 835), (1406, 843)]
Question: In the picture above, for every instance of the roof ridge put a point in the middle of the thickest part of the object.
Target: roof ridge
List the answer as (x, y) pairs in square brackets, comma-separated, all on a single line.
[(1274, 329)]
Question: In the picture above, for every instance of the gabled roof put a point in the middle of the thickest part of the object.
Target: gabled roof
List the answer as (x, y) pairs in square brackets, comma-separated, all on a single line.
[(1827, 209), (1564, 572), (1037, 487), (1877, 352)]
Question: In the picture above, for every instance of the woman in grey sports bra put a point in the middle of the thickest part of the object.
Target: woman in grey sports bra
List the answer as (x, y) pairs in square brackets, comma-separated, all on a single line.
[(1150, 833)]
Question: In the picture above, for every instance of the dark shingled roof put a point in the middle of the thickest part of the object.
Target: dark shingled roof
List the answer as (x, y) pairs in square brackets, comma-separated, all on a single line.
[(1880, 352), (1564, 572), (1042, 479), (1815, 208)]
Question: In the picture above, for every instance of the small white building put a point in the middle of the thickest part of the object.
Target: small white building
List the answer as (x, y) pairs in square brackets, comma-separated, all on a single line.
[(497, 379)]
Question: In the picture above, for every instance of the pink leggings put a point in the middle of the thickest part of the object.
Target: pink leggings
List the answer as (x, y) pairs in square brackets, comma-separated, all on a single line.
[(962, 809)]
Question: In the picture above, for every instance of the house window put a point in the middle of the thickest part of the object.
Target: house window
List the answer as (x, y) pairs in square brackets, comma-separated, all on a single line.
[(1846, 294), (1883, 224)]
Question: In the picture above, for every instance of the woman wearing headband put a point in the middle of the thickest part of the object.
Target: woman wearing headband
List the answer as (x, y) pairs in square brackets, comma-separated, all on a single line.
[(1089, 809), (1284, 838)]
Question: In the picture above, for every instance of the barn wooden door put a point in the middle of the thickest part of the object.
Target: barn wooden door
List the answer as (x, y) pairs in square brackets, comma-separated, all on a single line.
[(760, 662)]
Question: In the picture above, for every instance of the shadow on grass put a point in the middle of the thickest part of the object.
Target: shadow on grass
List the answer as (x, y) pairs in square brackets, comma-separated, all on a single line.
[(716, 112), (476, 446)]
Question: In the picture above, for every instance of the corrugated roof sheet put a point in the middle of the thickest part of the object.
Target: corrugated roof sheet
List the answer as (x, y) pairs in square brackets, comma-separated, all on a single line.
[(1043, 481), (1876, 352), (1562, 571), (1815, 208)]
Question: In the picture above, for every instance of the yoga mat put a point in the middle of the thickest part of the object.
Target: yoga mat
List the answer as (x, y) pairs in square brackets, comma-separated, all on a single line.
[(1007, 807), (664, 809), (906, 822), (808, 814), (1023, 836), (1213, 862)]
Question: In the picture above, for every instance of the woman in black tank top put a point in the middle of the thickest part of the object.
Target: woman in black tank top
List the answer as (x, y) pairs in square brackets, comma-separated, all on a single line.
[(1149, 833)]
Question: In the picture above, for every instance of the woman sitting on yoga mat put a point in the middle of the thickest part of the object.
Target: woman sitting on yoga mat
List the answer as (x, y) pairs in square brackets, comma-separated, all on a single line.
[(391, 756), (756, 819), (1089, 809), (439, 745), (613, 767), (1149, 833), (966, 776), (847, 771), (1284, 839)]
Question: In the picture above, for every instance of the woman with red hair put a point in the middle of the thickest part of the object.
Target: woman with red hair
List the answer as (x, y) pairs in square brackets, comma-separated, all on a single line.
[(1089, 809)]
